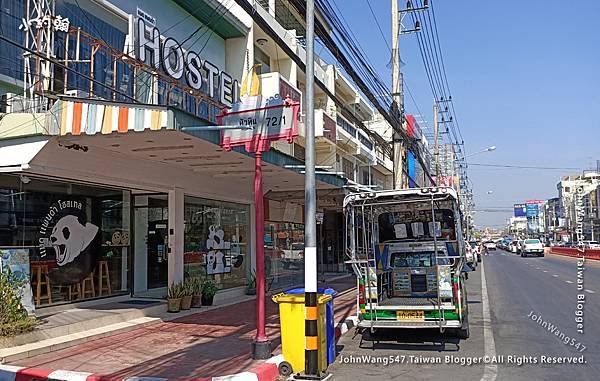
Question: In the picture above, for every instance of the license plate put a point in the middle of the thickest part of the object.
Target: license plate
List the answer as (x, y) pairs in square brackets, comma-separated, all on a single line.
[(410, 315)]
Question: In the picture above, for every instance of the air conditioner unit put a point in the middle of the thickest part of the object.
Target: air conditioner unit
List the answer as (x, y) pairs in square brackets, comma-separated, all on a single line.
[(11, 102), (75, 93)]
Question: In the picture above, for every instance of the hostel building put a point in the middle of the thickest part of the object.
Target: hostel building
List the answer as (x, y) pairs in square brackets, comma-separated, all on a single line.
[(107, 185)]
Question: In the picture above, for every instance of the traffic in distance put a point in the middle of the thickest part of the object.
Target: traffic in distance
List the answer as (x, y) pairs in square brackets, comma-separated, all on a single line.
[(436, 298)]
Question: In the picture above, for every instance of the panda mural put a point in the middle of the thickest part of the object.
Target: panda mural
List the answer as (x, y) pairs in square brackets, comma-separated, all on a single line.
[(67, 237)]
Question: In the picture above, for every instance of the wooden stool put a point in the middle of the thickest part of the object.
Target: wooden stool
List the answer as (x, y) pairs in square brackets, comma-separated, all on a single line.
[(75, 294), (88, 281), (38, 271), (103, 278)]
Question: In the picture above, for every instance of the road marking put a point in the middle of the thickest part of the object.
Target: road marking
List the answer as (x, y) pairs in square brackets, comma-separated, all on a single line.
[(568, 281), (490, 372), (555, 275), (545, 271), (586, 290)]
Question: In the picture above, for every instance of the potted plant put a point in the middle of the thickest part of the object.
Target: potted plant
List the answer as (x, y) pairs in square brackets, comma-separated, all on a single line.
[(174, 297), (196, 286), (186, 298), (209, 289), (251, 284)]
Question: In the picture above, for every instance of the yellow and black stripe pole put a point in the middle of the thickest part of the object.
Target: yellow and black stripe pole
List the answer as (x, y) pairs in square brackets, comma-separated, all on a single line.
[(311, 340), (311, 347)]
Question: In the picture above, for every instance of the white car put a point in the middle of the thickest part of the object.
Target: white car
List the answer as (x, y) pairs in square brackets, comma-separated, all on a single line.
[(532, 247), (514, 247), (490, 245), (591, 244)]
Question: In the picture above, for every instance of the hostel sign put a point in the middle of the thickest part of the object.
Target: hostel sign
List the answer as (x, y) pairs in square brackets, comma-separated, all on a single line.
[(168, 55)]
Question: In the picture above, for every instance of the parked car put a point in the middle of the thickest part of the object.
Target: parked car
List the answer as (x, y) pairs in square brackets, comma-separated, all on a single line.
[(490, 245), (519, 246), (293, 256), (591, 244), (532, 247), (514, 247)]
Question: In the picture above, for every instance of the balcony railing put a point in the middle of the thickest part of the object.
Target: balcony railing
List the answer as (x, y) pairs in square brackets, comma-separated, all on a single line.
[(366, 142), (346, 126)]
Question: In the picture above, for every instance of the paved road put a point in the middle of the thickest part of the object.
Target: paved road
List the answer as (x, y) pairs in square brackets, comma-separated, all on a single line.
[(516, 288)]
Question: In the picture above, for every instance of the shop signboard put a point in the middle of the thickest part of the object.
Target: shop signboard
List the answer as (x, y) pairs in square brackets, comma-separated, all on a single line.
[(270, 119), (532, 210), (169, 55), (66, 242), (520, 210), (17, 261)]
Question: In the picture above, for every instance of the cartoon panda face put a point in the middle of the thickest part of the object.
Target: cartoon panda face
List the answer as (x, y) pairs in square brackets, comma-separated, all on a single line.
[(125, 238), (116, 238), (69, 238)]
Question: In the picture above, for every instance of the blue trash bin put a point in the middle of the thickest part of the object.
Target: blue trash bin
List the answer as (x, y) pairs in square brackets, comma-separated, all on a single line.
[(330, 319)]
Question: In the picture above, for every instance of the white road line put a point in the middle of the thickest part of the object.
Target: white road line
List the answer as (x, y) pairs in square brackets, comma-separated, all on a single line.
[(545, 271), (555, 275), (586, 290), (568, 281), (490, 372)]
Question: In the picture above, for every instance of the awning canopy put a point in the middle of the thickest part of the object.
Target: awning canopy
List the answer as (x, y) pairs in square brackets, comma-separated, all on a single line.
[(16, 154)]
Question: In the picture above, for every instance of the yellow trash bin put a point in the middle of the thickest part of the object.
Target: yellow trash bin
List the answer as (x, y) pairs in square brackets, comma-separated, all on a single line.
[(292, 317)]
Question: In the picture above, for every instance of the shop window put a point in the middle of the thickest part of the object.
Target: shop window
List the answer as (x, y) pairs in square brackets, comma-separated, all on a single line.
[(284, 254), (216, 241), (70, 239)]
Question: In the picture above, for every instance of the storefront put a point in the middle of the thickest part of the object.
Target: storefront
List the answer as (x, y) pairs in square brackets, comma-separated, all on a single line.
[(73, 238), (110, 195), (80, 241)]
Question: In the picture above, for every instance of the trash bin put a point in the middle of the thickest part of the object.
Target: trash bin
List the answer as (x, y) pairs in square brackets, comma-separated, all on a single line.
[(330, 319), (292, 316)]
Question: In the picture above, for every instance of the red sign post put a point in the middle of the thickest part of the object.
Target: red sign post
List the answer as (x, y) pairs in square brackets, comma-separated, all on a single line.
[(276, 119)]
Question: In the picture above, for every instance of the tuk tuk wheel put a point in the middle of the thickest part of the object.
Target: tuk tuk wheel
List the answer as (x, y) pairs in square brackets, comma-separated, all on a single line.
[(285, 368)]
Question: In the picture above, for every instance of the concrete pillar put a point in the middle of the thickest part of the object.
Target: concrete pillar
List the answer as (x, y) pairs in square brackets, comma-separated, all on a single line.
[(175, 247), (140, 273)]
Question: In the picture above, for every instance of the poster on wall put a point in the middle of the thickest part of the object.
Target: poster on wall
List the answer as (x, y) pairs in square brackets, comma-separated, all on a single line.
[(68, 242), (17, 261), (218, 258)]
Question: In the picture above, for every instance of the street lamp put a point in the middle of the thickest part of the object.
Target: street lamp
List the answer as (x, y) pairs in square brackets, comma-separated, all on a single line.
[(489, 149)]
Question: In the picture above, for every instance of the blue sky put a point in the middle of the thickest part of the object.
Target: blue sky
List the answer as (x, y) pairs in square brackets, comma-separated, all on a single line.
[(524, 76)]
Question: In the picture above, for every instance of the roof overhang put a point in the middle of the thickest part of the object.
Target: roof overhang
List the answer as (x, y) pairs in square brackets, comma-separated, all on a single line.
[(17, 154)]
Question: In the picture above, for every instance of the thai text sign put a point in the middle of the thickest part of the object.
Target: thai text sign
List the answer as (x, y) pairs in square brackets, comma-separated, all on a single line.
[(273, 119)]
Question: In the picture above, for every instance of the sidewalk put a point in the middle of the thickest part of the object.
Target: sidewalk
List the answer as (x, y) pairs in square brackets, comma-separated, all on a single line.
[(204, 344)]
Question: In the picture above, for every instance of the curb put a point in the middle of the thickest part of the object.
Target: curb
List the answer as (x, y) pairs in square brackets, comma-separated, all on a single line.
[(267, 371), (341, 328)]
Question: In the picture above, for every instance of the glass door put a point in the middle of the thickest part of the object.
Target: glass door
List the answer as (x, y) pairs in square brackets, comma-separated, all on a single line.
[(151, 223)]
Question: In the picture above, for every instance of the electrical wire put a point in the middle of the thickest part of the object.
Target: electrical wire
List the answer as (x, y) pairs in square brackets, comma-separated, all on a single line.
[(523, 166)]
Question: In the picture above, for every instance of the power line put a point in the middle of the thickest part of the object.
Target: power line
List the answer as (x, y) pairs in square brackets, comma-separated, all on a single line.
[(387, 44), (522, 166)]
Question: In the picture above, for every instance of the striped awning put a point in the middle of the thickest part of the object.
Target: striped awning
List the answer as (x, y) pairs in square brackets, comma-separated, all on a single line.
[(90, 118)]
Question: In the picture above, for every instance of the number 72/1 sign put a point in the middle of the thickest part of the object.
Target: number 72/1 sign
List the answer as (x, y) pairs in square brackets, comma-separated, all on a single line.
[(277, 120)]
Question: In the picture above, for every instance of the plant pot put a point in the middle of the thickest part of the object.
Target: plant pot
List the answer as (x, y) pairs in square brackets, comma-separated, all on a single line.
[(207, 300), (250, 291), (186, 302), (196, 301), (174, 305)]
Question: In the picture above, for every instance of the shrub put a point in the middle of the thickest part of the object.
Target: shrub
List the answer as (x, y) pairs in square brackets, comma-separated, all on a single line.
[(13, 317)]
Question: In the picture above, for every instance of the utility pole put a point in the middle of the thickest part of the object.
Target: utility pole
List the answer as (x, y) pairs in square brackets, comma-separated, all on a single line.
[(398, 145), (398, 98), (436, 147), (311, 339)]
